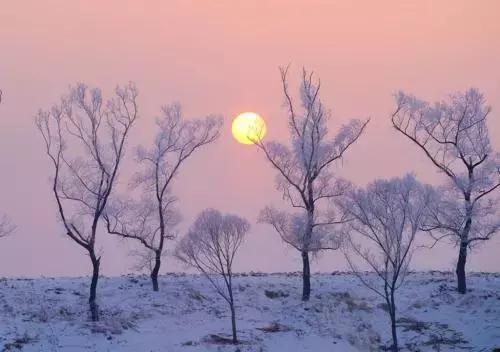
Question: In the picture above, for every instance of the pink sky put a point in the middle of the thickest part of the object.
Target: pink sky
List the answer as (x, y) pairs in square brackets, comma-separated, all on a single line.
[(223, 57)]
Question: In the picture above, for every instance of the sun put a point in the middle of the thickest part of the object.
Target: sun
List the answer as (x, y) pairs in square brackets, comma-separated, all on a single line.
[(248, 127)]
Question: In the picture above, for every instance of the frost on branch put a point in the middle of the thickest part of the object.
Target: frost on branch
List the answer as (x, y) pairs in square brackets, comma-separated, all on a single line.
[(454, 136), (211, 246), (152, 219), (176, 140), (85, 141), (305, 173), (385, 218), (292, 229)]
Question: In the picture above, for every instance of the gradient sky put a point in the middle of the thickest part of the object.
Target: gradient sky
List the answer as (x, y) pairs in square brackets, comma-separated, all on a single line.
[(223, 57)]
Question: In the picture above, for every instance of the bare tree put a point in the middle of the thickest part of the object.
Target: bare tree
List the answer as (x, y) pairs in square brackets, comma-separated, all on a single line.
[(210, 246), (454, 137), (305, 173), (385, 219), (151, 221), (6, 226), (85, 141)]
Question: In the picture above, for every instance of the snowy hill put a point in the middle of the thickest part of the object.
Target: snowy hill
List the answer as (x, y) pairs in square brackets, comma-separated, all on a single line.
[(50, 314)]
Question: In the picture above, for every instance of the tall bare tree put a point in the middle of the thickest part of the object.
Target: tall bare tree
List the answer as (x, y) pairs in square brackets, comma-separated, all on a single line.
[(85, 141), (453, 135), (305, 173), (152, 220), (210, 246), (385, 218)]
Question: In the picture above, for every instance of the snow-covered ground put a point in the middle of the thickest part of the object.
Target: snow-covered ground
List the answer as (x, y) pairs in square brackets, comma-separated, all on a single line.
[(51, 314)]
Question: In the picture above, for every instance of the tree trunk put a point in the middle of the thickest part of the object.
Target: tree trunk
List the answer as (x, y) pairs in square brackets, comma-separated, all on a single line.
[(94, 308), (392, 312), (462, 258), (462, 252), (155, 271), (306, 277), (233, 323)]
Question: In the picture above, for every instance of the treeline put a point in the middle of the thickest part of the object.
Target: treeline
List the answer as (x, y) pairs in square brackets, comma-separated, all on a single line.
[(85, 138)]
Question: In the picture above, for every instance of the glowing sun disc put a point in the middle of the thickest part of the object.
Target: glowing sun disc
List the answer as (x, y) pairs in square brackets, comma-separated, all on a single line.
[(248, 127)]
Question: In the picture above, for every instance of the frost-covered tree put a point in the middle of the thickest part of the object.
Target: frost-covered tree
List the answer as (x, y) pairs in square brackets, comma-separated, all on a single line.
[(454, 137), (152, 220), (85, 141), (211, 246), (305, 173), (385, 218)]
